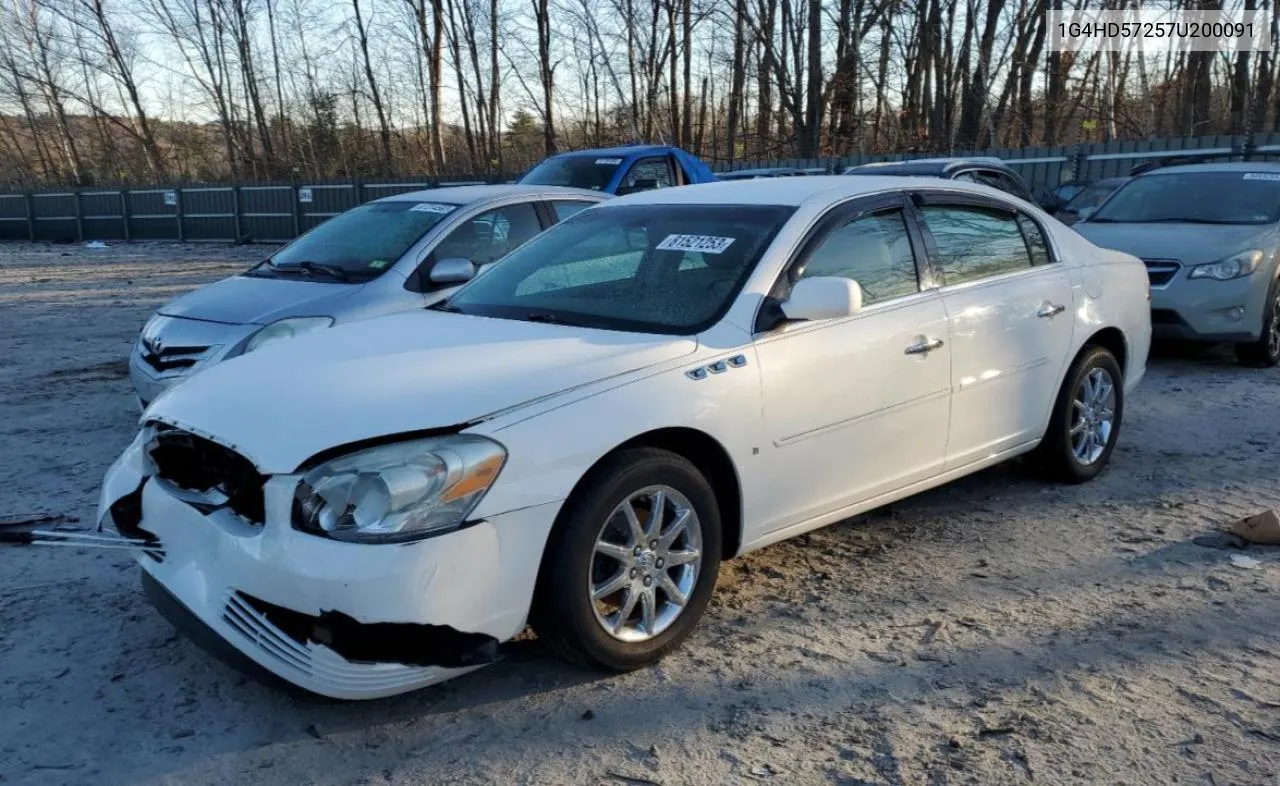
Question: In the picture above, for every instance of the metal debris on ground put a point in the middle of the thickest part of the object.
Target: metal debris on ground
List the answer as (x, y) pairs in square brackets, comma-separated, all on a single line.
[(1241, 561)]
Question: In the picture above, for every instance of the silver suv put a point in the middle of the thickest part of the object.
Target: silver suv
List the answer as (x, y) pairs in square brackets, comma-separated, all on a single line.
[(1208, 234), (394, 254)]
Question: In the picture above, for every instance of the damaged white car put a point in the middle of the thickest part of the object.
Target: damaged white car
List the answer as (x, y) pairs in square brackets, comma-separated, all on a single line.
[(579, 436)]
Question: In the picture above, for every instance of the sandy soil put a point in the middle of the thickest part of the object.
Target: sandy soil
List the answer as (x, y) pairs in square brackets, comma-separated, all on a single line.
[(995, 631)]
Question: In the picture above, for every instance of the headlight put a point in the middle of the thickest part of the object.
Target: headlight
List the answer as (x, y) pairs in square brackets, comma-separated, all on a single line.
[(286, 328), (1235, 266), (398, 492)]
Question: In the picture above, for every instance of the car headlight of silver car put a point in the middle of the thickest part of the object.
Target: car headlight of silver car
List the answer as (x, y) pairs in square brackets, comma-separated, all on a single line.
[(284, 329), (1234, 266), (398, 492)]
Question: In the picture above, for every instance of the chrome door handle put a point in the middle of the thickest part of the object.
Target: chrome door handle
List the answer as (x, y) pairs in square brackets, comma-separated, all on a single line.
[(1050, 310), (924, 347)]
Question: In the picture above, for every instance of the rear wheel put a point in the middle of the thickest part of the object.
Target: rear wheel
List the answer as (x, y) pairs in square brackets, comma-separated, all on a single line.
[(631, 564), (1265, 352), (1086, 418)]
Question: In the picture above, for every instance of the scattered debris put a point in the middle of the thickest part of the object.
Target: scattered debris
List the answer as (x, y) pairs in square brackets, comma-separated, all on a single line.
[(34, 519), (1262, 528), (764, 772), (1241, 561)]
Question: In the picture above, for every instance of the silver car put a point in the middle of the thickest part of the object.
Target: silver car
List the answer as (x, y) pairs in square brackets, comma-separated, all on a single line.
[(393, 254), (1209, 235)]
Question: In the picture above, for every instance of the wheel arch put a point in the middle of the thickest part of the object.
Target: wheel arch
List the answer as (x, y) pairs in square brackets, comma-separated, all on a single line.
[(1111, 339)]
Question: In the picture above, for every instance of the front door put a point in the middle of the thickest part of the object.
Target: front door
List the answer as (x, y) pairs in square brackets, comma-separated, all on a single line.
[(858, 406)]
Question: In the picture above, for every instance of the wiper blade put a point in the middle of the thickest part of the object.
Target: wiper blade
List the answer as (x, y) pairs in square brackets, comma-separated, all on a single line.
[(550, 319), (332, 271), (443, 305)]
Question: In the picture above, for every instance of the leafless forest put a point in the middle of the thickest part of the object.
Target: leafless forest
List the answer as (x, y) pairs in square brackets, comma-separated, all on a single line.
[(100, 91)]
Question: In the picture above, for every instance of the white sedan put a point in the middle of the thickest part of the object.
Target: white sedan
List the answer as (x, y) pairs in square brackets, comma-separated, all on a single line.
[(579, 436)]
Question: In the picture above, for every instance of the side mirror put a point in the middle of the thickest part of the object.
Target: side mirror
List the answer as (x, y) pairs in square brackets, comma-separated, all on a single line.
[(823, 297), (453, 270), (638, 186), (1051, 203)]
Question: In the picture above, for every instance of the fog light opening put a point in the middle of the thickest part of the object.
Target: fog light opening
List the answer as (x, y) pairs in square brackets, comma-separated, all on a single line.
[(1235, 313)]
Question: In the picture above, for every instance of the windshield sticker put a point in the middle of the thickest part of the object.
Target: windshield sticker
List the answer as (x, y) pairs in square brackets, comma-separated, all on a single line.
[(705, 244), (608, 161), (379, 264), (432, 207), (1261, 176)]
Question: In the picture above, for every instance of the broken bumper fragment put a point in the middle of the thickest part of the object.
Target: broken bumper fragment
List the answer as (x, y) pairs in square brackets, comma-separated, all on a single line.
[(343, 620)]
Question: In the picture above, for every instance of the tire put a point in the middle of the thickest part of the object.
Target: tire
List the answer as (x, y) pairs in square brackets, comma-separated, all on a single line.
[(565, 615), (1265, 352), (1061, 454)]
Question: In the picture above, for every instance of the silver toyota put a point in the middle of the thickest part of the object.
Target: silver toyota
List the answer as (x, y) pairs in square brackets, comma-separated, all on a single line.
[(393, 254)]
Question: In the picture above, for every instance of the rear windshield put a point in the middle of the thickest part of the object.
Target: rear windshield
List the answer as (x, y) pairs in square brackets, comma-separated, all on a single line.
[(364, 241), (1197, 198), (589, 171), (670, 269)]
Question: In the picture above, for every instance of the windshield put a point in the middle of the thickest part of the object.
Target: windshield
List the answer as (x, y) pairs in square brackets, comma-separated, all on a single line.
[(589, 171), (1092, 196), (359, 244), (670, 269), (1196, 197)]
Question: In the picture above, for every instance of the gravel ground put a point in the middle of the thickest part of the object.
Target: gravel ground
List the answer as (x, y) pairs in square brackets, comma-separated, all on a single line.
[(997, 630)]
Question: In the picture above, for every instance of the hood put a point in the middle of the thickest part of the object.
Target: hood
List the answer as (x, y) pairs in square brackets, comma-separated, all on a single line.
[(248, 299), (1191, 244), (405, 372)]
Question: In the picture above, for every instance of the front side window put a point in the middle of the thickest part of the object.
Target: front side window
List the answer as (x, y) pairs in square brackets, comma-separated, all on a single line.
[(874, 251), (489, 236), (577, 171), (656, 169), (1230, 197), (361, 243), (975, 243), (671, 269), (564, 208)]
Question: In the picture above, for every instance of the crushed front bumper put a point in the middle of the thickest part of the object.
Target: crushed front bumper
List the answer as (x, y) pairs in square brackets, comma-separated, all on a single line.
[(343, 620)]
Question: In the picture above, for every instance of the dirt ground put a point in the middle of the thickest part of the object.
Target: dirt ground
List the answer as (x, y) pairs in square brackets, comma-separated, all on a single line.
[(996, 631)]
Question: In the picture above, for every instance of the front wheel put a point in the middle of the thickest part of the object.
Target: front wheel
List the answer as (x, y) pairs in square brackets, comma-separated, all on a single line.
[(1086, 418), (1265, 352), (631, 562)]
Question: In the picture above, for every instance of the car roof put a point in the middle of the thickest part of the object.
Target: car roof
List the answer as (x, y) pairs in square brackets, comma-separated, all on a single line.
[(762, 171), (1223, 166), (620, 151), (789, 191), (465, 195), (931, 165)]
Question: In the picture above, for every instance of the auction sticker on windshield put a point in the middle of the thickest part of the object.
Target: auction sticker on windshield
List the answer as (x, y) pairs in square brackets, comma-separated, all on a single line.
[(608, 161), (706, 244), (1261, 176), (432, 207)]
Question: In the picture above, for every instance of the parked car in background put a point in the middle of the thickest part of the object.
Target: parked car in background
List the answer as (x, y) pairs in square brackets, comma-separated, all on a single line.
[(1208, 234), (752, 174), (988, 171), (1053, 200), (1088, 200), (621, 170), (580, 435), (393, 254)]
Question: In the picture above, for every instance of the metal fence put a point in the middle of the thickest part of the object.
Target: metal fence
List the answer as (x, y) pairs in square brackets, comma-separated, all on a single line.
[(280, 212)]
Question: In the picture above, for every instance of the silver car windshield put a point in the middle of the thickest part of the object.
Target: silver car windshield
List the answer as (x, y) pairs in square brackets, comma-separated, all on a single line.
[(1195, 197), (670, 269), (361, 243)]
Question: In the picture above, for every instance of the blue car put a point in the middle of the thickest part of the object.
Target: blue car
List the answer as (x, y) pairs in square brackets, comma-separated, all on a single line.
[(621, 170)]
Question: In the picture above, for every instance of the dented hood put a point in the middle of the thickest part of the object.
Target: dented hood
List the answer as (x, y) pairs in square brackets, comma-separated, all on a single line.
[(406, 372)]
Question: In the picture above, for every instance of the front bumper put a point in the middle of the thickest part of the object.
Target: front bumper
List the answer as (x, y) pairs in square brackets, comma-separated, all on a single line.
[(1207, 310), (343, 620)]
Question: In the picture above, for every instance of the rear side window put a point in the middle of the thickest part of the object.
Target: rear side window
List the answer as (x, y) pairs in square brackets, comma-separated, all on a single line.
[(975, 243), (1036, 244)]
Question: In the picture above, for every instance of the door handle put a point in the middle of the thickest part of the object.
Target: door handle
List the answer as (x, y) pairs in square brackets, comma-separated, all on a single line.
[(924, 347), (1050, 310)]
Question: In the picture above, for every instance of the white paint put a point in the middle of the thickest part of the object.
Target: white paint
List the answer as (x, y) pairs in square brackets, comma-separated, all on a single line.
[(827, 418)]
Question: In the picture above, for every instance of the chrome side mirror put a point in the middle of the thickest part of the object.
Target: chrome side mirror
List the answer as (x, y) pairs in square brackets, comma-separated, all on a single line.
[(453, 270)]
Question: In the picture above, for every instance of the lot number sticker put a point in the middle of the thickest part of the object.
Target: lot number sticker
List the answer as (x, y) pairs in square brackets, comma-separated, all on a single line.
[(704, 244), (304, 195), (1261, 176), (171, 198), (608, 161), (431, 207)]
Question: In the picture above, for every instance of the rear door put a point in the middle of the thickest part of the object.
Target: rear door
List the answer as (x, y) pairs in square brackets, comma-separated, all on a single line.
[(1009, 312)]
